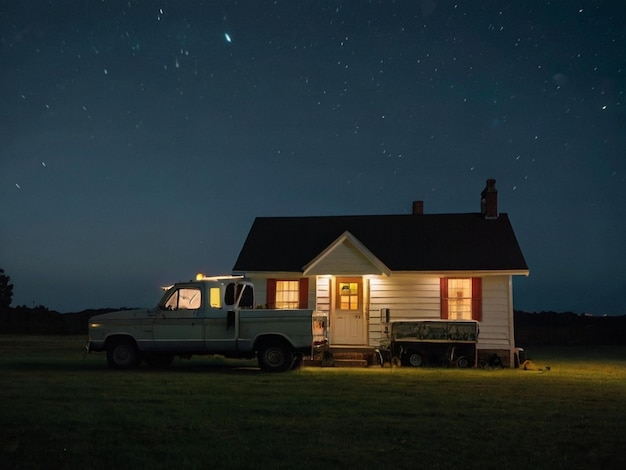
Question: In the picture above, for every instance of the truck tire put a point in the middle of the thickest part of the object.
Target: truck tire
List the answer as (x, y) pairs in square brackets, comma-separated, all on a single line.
[(415, 359), (122, 354), (462, 362), (275, 357)]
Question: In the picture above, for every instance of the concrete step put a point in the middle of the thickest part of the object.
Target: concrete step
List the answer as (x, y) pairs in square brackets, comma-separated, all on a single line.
[(342, 358)]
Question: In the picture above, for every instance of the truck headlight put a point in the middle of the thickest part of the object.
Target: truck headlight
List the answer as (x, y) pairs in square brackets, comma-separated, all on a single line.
[(95, 325)]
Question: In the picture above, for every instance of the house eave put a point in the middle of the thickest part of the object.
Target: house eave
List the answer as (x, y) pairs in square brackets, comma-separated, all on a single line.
[(467, 273)]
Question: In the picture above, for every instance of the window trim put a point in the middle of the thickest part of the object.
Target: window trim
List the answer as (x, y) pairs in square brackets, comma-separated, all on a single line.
[(303, 292), (476, 301)]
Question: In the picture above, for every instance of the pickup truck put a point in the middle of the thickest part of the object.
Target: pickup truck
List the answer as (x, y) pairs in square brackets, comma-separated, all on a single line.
[(211, 315)]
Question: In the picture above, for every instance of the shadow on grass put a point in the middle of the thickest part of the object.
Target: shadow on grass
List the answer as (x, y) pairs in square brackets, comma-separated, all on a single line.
[(89, 365)]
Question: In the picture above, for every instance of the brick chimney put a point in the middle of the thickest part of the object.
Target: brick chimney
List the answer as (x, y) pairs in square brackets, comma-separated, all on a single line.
[(418, 207), (489, 200)]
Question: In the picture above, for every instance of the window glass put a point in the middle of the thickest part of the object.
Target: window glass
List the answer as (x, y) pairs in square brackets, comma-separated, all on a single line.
[(215, 297), (349, 295), (287, 294), (460, 299), (184, 299), (229, 295), (247, 296)]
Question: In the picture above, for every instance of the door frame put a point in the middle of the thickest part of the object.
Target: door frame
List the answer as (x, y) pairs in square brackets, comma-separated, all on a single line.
[(363, 303)]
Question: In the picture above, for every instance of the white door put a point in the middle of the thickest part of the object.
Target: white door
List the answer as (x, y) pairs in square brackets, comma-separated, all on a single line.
[(348, 319)]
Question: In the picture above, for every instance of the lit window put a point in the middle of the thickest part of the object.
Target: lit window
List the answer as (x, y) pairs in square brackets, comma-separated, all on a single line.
[(287, 294), (460, 299), (348, 295), (215, 297)]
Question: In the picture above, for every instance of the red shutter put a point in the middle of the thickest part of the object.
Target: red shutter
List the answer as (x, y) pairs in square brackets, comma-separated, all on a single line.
[(477, 298), (444, 297), (303, 293), (270, 299)]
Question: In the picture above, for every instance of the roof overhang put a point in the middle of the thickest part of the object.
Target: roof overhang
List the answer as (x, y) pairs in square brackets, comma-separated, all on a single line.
[(464, 273)]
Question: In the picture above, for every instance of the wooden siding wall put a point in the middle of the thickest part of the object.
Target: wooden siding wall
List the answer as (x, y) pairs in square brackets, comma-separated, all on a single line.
[(323, 294), (408, 296), (414, 296), (495, 329), (260, 290)]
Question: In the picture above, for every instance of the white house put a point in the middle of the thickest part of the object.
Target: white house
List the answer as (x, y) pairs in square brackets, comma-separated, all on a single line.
[(419, 266)]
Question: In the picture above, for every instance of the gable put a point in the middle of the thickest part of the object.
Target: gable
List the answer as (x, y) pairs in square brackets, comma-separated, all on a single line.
[(346, 256)]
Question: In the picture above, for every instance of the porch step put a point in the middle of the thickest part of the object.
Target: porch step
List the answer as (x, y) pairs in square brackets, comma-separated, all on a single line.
[(343, 358)]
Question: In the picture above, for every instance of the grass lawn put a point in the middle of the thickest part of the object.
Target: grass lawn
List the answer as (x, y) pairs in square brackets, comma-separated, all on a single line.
[(63, 409)]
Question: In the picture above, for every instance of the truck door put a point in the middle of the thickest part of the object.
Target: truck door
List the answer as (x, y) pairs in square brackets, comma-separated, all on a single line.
[(179, 325), (221, 331)]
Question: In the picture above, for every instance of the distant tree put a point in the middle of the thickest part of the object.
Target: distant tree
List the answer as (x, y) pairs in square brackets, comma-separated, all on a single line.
[(6, 291)]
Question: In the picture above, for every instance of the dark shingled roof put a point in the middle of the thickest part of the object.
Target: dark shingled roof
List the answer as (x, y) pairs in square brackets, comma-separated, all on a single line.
[(425, 242)]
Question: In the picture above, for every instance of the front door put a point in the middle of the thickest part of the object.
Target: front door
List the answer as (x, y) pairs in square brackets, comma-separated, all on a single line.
[(348, 321)]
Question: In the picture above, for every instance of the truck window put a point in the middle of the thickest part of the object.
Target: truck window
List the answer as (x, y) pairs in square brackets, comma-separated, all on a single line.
[(184, 298), (246, 299), (215, 297), (229, 295)]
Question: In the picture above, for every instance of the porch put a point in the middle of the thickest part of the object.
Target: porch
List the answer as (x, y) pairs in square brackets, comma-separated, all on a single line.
[(344, 356)]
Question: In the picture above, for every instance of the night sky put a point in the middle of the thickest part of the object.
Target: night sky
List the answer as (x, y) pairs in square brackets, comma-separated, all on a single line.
[(140, 139)]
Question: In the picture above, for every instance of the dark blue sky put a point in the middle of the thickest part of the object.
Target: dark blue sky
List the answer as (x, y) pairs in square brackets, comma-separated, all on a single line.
[(138, 140)]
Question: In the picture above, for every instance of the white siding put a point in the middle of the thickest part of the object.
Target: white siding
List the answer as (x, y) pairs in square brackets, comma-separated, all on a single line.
[(495, 327), (418, 297), (260, 290), (323, 294), (407, 296)]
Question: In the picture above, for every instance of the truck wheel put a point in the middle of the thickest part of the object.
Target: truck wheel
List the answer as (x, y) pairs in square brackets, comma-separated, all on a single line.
[(415, 359), (396, 362), (275, 358), (462, 362), (122, 354)]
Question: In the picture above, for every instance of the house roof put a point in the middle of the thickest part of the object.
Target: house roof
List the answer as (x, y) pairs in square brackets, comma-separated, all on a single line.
[(424, 242)]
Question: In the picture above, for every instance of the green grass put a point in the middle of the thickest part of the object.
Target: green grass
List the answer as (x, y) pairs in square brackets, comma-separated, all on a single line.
[(62, 409)]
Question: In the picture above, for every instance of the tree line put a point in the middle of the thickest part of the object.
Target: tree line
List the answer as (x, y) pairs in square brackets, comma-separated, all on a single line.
[(39, 320)]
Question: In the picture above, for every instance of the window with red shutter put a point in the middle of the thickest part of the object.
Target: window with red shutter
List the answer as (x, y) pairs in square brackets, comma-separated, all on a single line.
[(461, 298)]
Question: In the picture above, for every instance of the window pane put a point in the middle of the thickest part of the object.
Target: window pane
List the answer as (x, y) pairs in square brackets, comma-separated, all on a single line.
[(349, 295), (287, 294), (460, 299), (216, 300), (184, 299), (189, 299)]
